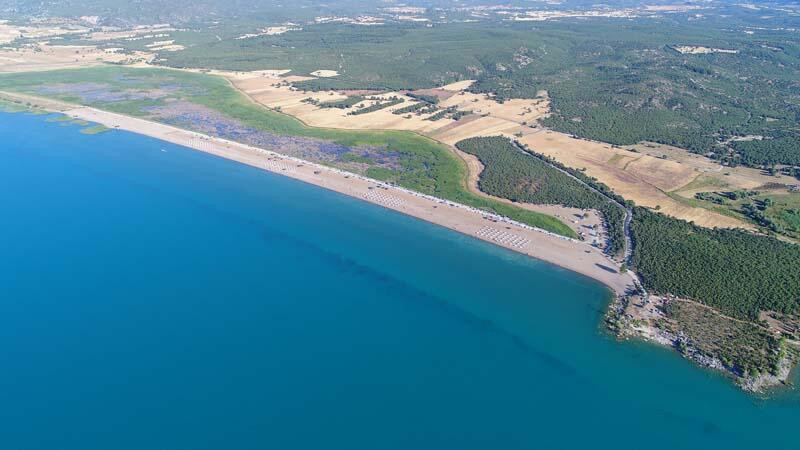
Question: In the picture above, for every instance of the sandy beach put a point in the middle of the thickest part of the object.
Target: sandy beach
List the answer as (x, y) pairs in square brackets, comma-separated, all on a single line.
[(577, 256)]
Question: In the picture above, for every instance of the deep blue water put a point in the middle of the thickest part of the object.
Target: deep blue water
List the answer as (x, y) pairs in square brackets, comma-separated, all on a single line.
[(153, 297)]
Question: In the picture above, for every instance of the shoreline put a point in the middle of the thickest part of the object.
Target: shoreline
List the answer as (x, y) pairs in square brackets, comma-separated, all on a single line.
[(642, 318), (576, 256)]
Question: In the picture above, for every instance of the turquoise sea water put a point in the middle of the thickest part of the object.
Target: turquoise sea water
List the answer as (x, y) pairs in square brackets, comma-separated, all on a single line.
[(153, 297)]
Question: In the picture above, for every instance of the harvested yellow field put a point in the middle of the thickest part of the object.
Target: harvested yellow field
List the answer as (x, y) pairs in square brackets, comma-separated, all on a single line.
[(295, 78), (714, 176), (9, 32), (382, 119), (663, 174), (493, 118), (647, 179), (639, 177), (51, 57), (274, 93), (475, 126), (518, 111), (458, 85)]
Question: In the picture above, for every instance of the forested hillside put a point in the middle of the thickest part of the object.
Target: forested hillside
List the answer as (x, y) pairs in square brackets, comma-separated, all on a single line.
[(693, 85), (737, 272)]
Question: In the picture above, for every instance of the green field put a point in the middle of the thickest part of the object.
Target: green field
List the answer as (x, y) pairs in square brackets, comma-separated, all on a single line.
[(419, 163)]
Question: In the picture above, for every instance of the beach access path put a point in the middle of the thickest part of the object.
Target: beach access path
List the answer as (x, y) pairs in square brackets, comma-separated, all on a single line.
[(571, 254)]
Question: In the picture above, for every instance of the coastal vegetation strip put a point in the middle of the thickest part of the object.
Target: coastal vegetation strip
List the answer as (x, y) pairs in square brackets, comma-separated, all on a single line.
[(209, 104)]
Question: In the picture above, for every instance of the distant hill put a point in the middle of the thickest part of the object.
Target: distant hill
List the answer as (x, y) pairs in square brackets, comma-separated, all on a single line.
[(123, 12)]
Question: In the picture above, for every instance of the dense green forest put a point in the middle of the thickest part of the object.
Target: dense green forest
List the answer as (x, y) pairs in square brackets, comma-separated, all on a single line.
[(237, 12), (767, 152), (737, 272), (520, 177)]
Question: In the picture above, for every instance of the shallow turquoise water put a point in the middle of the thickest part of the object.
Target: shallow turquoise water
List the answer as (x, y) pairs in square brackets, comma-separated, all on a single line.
[(153, 297)]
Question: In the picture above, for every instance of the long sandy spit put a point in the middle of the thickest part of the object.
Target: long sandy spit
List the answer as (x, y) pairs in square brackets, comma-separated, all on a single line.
[(577, 256)]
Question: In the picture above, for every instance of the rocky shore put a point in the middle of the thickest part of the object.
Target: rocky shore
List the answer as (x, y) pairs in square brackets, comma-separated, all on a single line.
[(647, 318)]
